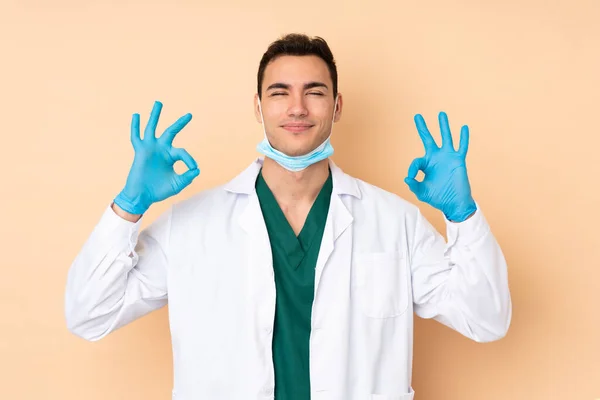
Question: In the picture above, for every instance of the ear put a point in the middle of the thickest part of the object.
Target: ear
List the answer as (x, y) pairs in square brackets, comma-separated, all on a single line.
[(257, 109), (338, 111)]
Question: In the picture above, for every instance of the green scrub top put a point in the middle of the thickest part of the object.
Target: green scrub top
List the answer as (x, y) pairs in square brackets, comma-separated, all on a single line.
[(294, 263)]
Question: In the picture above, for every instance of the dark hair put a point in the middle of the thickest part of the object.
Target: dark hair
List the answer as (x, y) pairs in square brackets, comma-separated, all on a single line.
[(295, 44)]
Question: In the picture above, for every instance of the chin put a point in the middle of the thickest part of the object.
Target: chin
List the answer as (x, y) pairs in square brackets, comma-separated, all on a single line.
[(297, 149), (297, 152), (298, 145)]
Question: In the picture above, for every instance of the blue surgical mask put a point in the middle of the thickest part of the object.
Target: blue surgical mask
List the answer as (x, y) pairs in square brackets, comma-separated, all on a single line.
[(297, 163)]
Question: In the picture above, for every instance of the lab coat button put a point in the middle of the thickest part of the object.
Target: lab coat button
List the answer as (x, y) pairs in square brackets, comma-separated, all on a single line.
[(269, 391), (315, 336)]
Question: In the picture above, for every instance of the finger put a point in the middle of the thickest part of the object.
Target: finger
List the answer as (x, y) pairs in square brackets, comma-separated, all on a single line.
[(426, 137), (183, 180), (150, 130), (464, 141), (445, 130), (135, 130), (418, 164), (183, 155), (169, 134)]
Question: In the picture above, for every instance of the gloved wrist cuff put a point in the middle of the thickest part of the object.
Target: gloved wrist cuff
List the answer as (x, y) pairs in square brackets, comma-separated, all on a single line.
[(130, 206), (461, 214)]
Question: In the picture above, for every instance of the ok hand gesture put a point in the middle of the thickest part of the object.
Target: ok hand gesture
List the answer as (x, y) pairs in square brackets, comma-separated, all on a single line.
[(152, 177), (446, 184)]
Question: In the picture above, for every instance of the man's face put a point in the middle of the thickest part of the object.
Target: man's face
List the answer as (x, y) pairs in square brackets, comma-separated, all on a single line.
[(297, 103)]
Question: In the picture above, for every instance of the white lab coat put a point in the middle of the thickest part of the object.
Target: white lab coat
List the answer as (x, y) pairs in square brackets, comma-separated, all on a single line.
[(209, 255)]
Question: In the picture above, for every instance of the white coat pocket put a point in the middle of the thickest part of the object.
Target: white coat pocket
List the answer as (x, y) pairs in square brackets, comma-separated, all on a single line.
[(407, 396), (381, 284)]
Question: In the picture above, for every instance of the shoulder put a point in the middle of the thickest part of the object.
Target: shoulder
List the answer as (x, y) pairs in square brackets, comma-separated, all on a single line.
[(381, 199), (211, 199)]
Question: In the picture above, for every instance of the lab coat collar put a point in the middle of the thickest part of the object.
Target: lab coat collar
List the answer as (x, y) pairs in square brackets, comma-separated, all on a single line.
[(244, 183), (339, 219)]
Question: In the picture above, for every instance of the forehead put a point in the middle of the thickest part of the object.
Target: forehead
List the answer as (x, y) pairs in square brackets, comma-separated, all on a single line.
[(297, 70)]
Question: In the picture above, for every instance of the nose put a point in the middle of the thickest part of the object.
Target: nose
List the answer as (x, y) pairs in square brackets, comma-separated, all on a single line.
[(297, 107)]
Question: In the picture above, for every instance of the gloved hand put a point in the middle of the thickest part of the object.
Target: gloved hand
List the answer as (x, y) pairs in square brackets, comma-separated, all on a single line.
[(446, 185), (152, 177)]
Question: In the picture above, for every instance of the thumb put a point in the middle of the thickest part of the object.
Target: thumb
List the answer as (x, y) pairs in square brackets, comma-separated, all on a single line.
[(418, 164), (415, 186), (183, 180)]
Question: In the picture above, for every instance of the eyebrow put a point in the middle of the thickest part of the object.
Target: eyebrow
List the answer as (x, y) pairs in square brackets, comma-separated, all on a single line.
[(309, 85)]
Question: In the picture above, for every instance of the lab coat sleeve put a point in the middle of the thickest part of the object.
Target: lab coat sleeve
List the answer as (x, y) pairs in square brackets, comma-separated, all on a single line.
[(119, 275), (461, 283)]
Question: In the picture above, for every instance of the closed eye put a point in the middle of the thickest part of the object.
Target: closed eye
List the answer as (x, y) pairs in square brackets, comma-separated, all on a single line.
[(283, 94)]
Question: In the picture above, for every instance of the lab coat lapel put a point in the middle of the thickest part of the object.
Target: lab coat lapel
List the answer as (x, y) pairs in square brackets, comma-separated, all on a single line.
[(338, 220), (257, 247), (253, 223), (251, 218)]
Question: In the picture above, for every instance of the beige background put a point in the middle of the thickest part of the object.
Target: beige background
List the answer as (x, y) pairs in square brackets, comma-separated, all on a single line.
[(524, 75)]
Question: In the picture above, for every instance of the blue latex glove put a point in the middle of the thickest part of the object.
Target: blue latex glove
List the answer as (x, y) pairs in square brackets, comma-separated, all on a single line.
[(152, 177), (446, 185)]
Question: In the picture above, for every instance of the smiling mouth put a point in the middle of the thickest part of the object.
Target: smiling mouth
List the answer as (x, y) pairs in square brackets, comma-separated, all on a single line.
[(297, 128)]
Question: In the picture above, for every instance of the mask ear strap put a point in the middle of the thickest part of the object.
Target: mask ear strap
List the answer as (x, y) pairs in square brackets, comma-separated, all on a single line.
[(262, 120), (335, 106)]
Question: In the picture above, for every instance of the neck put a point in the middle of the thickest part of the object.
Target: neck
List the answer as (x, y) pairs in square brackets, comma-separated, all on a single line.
[(292, 188)]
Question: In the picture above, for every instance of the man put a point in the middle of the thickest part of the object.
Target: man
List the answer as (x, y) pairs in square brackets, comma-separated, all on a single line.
[(294, 280)]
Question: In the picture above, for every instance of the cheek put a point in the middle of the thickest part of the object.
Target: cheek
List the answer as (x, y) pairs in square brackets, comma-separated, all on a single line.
[(275, 112), (321, 112)]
